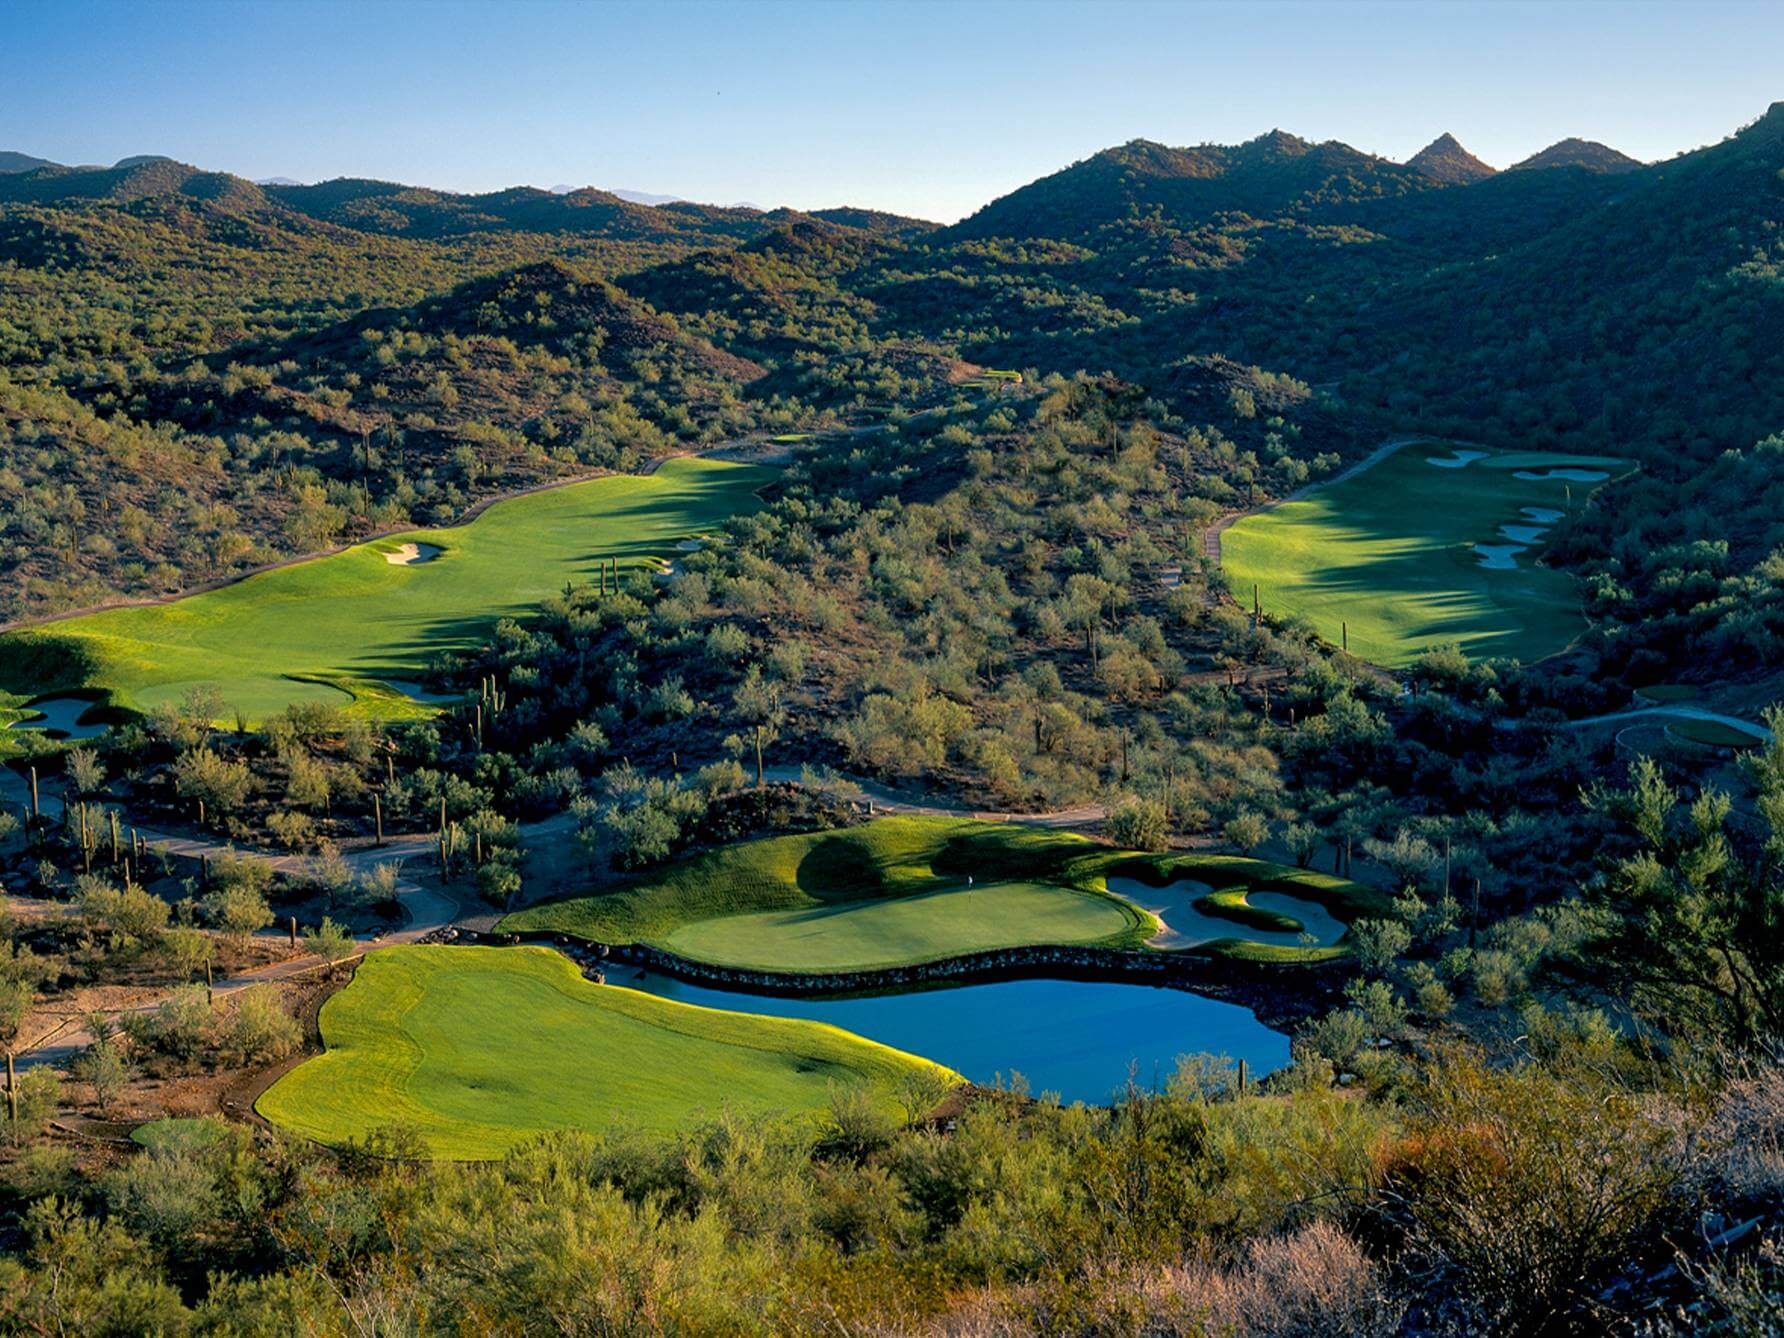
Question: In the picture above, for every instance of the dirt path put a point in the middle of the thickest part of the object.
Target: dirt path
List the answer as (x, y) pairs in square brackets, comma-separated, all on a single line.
[(885, 799), (425, 910), (1678, 711)]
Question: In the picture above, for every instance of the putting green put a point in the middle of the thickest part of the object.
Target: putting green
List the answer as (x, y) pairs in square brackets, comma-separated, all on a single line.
[(922, 926), (1391, 552), (336, 628), (476, 1049), (888, 893), (1711, 732)]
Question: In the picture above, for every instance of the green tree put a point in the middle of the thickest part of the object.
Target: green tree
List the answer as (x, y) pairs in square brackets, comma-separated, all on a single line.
[(1246, 831), (329, 941), (1139, 824), (238, 910), (1698, 925)]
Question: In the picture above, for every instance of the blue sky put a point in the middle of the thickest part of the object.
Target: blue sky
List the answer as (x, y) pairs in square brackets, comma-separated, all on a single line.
[(925, 108)]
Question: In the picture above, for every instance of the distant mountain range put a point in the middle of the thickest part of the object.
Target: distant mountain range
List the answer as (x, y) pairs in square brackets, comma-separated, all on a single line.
[(1293, 167), (1263, 177), (1576, 301), (395, 209), (22, 162)]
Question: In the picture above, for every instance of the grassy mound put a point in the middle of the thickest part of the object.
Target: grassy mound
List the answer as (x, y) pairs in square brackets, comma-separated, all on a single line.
[(478, 1048), (889, 893), (894, 892), (332, 629), (1230, 903), (1389, 552)]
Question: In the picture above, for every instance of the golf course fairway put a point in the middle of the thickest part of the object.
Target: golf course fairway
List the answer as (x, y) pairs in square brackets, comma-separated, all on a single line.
[(1432, 545), (337, 628), (475, 1049), (894, 892)]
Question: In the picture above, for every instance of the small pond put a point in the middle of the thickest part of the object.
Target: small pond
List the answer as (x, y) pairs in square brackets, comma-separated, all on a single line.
[(61, 716), (1185, 926), (1075, 1038)]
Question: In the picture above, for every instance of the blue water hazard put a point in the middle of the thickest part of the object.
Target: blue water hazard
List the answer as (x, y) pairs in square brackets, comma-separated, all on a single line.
[(1076, 1039)]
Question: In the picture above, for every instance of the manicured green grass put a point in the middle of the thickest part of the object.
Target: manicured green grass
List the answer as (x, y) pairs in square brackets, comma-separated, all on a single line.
[(1711, 732), (1230, 903), (1669, 692), (893, 892), (331, 629), (888, 893), (1388, 553), (921, 926), (476, 1049)]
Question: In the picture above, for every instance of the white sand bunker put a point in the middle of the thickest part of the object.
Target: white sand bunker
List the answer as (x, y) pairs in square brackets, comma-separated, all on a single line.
[(1542, 515), (416, 693), (411, 555), (1499, 557), (60, 717), (1456, 460), (1523, 534), (1562, 475)]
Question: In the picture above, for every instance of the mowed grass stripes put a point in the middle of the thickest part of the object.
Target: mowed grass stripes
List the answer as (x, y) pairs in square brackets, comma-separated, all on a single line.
[(1390, 553)]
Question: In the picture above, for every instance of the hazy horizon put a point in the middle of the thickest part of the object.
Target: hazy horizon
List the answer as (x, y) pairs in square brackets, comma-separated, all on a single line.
[(915, 108)]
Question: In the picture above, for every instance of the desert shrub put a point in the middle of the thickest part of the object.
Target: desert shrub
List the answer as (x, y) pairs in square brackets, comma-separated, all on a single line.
[(127, 916), (1246, 831), (39, 1096), (291, 829), (1139, 824), (221, 783), (176, 1027), (257, 1029), (1379, 943), (1316, 1282), (329, 941), (1535, 1189), (238, 911)]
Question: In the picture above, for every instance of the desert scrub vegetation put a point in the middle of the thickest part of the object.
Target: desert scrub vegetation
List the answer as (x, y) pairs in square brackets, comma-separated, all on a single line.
[(1505, 1192)]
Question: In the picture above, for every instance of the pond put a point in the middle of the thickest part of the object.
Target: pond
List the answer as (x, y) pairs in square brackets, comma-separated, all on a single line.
[(1074, 1038), (1185, 926), (61, 716)]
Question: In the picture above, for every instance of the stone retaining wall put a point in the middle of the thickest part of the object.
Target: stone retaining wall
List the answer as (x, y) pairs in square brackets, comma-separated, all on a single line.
[(1181, 971)]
